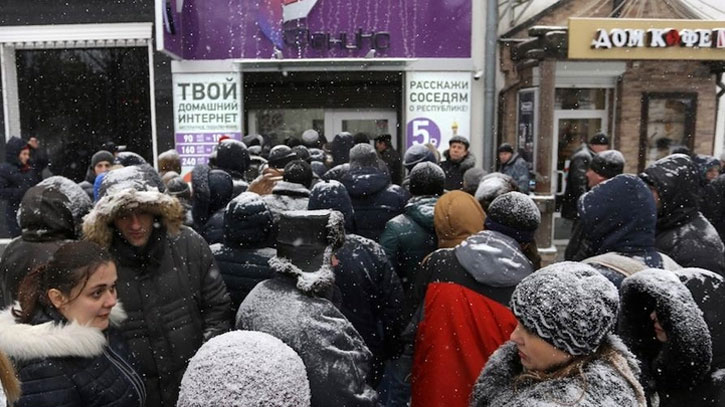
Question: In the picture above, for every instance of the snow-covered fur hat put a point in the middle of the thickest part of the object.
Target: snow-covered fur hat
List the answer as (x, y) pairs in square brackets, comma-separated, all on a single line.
[(245, 368), (515, 215), (608, 164), (307, 239), (362, 156), (569, 305), (130, 188)]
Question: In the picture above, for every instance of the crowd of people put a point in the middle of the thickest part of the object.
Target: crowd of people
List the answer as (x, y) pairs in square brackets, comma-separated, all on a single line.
[(343, 273)]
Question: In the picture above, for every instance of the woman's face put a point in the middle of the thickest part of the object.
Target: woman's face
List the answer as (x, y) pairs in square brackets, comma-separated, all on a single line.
[(660, 333), (536, 354), (24, 156), (91, 304)]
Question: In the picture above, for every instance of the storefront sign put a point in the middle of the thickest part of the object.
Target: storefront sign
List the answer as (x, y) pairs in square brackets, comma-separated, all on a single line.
[(646, 39), (259, 29), (207, 107), (438, 107)]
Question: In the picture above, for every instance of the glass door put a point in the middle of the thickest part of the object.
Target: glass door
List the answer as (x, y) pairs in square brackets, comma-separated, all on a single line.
[(371, 122)]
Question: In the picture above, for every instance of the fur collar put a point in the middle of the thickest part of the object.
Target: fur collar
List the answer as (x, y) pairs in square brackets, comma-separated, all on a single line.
[(97, 225), (605, 386), (310, 283), (53, 339)]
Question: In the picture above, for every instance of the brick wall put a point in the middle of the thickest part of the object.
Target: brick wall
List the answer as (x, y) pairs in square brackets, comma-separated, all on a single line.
[(663, 76)]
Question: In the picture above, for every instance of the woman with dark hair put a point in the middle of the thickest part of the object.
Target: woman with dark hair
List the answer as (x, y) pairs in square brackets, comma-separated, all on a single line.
[(61, 336)]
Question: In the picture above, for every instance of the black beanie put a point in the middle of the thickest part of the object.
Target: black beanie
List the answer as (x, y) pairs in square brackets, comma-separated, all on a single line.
[(308, 234), (459, 139), (101, 156), (505, 148), (280, 155), (301, 152), (298, 172), (608, 164), (515, 215), (599, 139), (426, 178)]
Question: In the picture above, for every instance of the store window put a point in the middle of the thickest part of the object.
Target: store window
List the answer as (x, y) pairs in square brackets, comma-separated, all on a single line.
[(668, 123), (282, 124), (73, 100)]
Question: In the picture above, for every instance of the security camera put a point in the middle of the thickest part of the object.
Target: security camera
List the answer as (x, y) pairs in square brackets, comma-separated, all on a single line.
[(478, 75)]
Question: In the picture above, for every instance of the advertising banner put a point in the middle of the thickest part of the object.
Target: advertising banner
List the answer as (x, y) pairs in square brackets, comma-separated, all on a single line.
[(438, 107), (207, 108), (300, 29)]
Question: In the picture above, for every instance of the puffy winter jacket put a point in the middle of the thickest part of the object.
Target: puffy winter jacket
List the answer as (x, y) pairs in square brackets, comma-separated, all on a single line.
[(15, 179), (372, 298), (69, 365), (462, 297), (712, 204), (518, 169), (690, 305), (393, 162), (576, 181), (172, 290), (243, 257), (51, 213), (374, 199), (619, 215), (599, 384), (455, 169), (409, 237), (682, 232), (334, 353), (213, 189)]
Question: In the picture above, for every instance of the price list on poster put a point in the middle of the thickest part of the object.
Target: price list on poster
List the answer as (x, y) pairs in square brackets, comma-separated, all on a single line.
[(207, 109)]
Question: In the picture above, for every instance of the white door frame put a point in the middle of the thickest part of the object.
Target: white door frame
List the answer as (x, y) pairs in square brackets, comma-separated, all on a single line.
[(334, 118)]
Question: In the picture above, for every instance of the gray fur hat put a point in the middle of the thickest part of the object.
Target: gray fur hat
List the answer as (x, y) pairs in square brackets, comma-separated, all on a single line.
[(569, 305)]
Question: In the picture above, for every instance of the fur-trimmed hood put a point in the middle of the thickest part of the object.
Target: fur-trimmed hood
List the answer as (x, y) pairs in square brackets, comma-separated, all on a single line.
[(98, 224), (51, 339)]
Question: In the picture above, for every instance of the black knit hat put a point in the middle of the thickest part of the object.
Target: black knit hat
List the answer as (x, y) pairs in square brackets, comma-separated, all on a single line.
[(569, 305), (280, 155), (101, 156), (427, 178), (459, 139), (308, 234), (298, 172), (608, 164), (599, 139), (515, 215), (301, 152), (505, 148)]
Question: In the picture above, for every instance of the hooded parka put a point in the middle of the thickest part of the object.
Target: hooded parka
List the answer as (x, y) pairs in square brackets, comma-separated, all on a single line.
[(51, 214), (682, 232), (15, 179), (172, 290)]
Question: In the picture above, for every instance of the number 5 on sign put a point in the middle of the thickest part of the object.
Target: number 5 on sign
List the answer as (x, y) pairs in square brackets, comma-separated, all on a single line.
[(420, 133)]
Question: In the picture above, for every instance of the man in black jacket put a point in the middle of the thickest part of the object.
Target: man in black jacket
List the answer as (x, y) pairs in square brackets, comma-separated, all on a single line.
[(458, 161), (171, 288), (576, 180), (390, 157)]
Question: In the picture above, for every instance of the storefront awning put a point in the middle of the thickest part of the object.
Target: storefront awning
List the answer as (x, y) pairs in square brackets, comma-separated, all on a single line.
[(77, 35)]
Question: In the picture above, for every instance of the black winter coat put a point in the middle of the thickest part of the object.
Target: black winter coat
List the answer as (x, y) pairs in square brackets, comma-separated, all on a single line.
[(372, 297), (374, 200), (213, 229), (690, 304), (66, 365), (176, 300), (393, 162), (712, 204), (51, 214), (682, 232), (576, 181), (15, 179), (455, 169)]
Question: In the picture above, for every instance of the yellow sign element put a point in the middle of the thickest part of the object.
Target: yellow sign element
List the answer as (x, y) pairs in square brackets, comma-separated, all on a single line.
[(622, 39)]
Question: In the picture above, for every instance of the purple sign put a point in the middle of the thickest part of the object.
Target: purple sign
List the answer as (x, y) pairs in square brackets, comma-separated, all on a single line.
[(423, 130), (255, 29)]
